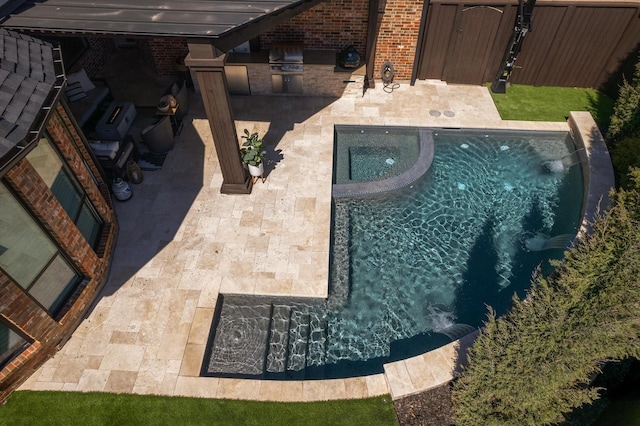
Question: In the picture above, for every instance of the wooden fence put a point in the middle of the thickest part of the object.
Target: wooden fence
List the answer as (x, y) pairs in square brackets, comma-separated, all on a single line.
[(581, 44)]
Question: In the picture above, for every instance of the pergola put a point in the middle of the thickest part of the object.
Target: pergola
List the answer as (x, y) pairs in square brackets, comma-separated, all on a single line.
[(211, 28)]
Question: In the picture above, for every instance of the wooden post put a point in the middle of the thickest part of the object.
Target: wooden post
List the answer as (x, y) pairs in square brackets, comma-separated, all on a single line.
[(208, 64)]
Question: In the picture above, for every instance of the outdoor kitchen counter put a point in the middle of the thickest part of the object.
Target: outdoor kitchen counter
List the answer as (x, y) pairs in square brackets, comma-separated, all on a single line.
[(310, 57), (321, 76), (261, 57), (320, 57)]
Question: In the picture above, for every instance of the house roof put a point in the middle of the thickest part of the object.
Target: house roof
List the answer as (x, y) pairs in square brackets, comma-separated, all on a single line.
[(227, 23), (27, 77)]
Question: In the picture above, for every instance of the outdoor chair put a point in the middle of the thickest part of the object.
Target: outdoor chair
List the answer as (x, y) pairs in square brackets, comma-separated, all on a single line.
[(159, 137)]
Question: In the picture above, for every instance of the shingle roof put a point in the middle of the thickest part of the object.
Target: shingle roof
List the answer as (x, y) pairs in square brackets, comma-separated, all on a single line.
[(225, 22), (27, 76)]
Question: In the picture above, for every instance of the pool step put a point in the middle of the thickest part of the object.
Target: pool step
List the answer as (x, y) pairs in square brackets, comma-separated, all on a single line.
[(278, 339), (298, 339), (317, 342)]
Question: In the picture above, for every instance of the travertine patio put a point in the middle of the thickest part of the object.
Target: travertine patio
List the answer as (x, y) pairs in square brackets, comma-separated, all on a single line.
[(182, 243)]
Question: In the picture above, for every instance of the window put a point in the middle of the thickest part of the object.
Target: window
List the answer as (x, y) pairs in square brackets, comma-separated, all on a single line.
[(11, 344), (65, 187), (31, 258)]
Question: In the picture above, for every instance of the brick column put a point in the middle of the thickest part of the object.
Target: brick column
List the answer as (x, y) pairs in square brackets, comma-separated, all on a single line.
[(208, 63)]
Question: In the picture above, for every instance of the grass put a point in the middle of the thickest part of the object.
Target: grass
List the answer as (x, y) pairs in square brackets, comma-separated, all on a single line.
[(530, 103), (66, 408)]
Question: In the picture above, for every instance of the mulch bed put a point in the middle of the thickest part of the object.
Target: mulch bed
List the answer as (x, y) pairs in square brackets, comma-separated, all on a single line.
[(430, 408)]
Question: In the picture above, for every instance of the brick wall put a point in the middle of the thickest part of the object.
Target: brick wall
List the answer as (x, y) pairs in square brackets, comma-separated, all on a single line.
[(334, 24), (165, 53), (100, 48), (16, 307), (338, 23), (398, 37)]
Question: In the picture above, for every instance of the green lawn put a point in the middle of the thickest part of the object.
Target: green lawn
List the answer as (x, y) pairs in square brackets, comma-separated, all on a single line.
[(532, 103), (67, 408)]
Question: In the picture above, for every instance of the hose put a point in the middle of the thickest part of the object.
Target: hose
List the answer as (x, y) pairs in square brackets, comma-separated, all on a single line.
[(387, 77)]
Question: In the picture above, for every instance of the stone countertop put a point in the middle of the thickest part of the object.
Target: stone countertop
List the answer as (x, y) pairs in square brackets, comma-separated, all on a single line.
[(311, 57)]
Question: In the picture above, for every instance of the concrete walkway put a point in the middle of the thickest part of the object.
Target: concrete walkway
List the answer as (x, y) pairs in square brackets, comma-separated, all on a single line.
[(182, 243)]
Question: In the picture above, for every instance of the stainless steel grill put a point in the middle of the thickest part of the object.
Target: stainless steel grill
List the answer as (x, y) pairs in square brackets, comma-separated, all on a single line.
[(286, 65), (286, 58)]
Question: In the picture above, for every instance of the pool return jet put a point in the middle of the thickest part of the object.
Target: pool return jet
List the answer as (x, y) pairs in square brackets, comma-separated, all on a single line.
[(524, 24), (563, 163)]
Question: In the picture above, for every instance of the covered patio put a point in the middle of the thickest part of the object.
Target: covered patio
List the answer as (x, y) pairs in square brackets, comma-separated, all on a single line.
[(211, 30)]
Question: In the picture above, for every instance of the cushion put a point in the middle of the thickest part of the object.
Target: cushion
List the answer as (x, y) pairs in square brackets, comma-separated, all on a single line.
[(175, 89), (148, 129), (75, 92), (84, 80), (105, 149)]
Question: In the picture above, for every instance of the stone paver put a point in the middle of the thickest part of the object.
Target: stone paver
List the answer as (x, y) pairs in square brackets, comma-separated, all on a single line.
[(182, 243)]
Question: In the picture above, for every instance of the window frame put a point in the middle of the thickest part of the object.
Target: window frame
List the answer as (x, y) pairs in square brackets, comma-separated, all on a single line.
[(14, 353), (71, 287), (85, 201)]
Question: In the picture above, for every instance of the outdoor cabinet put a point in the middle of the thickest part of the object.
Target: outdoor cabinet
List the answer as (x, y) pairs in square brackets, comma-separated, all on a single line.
[(286, 83), (237, 79)]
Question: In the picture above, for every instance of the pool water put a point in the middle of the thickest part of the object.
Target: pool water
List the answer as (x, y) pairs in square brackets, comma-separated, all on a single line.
[(365, 156), (425, 261), (414, 268)]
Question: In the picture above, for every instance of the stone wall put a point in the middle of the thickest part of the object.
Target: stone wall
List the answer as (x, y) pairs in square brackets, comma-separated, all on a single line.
[(318, 80)]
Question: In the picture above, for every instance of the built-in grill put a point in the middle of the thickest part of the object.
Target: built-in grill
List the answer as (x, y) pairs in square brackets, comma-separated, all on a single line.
[(286, 65)]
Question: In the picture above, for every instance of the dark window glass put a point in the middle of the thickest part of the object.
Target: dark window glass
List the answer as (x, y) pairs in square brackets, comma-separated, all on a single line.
[(11, 344), (31, 258), (45, 159)]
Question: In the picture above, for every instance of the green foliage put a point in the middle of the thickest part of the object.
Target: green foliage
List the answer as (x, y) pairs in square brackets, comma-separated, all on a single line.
[(534, 103), (624, 156), (625, 121), (252, 150), (535, 365), (69, 408)]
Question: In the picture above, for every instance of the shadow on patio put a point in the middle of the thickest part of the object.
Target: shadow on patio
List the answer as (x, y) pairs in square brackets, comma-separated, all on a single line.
[(162, 228)]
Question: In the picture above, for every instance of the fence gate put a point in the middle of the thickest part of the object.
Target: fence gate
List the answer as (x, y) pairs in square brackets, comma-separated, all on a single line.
[(572, 43)]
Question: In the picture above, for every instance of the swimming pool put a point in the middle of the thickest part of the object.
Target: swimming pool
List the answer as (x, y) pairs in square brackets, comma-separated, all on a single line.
[(417, 253)]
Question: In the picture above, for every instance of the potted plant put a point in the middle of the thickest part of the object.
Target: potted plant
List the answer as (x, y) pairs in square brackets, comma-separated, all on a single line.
[(252, 153)]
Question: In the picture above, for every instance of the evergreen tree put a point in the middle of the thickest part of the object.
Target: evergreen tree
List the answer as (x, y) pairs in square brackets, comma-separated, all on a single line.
[(625, 121), (536, 363)]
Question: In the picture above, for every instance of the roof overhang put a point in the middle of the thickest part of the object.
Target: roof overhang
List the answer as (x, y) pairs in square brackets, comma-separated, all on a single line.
[(31, 82), (226, 23)]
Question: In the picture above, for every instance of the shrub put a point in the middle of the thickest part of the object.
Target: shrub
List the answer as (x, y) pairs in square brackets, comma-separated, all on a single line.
[(625, 121), (536, 364), (624, 156)]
